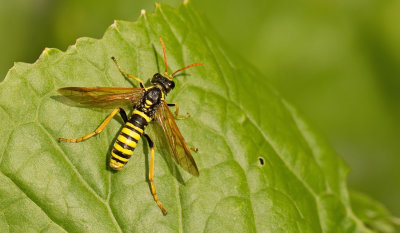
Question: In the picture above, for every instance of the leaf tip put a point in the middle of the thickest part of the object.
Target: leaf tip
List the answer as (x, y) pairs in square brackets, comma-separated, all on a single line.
[(14, 67), (71, 47), (44, 53), (48, 51), (114, 24)]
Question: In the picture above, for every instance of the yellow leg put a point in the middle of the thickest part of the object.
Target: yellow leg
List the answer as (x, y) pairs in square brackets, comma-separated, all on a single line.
[(176, 105), (151, 174), (97, 131), (126, 74)]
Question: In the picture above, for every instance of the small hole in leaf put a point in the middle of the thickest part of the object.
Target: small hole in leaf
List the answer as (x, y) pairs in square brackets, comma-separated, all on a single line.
[(261, 161)]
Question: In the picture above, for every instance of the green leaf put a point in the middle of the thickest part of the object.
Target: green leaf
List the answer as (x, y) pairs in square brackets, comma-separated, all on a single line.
[(373, 214), (262, 168)]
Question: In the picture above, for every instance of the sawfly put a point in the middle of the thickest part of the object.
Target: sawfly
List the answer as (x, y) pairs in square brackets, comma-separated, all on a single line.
[(149, 105)]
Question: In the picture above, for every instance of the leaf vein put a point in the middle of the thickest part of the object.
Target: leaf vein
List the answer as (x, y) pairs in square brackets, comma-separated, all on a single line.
[(57, 146), (269, 141), (30, 198), (80, 177)]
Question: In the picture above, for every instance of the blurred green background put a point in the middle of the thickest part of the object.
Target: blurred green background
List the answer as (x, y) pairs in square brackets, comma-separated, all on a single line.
[(337, 60)]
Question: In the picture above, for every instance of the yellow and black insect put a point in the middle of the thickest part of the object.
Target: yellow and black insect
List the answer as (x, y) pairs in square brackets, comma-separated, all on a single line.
[(149, 105)]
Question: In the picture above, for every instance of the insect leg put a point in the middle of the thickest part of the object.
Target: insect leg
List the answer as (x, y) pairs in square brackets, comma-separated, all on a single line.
[(182, 118), (176, 105), (123, 114), (126, 74), (151, 174), (97, 131), (195, 149)]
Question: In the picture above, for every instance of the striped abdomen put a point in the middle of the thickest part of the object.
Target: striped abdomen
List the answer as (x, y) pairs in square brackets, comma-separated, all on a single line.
[(128, 138)]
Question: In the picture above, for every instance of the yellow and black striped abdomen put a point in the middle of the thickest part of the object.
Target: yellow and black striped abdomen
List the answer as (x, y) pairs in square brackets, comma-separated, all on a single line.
[(127, 139), (125, 145)]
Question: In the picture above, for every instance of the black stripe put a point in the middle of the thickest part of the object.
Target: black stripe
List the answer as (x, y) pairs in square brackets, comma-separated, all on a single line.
[(134, 130), (113, 158), (125, 146), (123, 155), (128, 137), (138, 121)]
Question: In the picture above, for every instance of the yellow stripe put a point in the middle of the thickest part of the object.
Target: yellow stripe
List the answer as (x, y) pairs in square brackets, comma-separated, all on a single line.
[(115, 164), (148, 102), (127, 141), (135, 127), (119, 157), (142, 114), (131, 133), (123, 150)]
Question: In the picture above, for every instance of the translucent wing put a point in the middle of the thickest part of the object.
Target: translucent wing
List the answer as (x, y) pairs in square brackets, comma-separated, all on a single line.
[(177, 146), (103, 97)]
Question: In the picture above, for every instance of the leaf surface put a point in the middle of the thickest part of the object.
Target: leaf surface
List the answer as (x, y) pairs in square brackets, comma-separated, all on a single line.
[(374, 215), (262, 168)]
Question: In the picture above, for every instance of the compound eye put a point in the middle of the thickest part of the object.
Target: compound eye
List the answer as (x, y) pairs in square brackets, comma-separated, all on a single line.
[(155, 77), (172, 85)]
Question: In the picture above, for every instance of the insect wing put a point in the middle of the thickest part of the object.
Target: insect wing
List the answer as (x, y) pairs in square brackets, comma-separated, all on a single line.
[(103, 97), (178, 148)]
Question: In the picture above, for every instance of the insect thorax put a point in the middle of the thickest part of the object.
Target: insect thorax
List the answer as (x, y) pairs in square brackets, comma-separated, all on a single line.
[(150, 101)]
